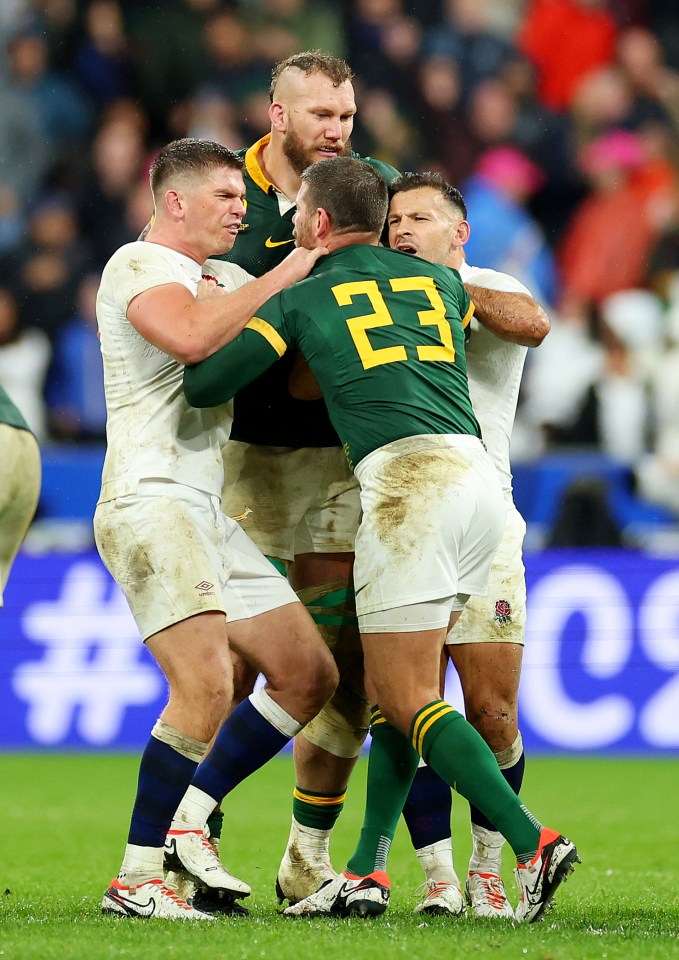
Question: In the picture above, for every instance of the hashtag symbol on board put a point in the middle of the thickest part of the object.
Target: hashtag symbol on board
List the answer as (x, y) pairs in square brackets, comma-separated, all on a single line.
[(90, 671)]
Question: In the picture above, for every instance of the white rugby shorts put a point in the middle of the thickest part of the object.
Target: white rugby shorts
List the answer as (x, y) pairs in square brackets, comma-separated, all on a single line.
[(174, 554), (499, 616), (433, 516), (302, 500), (19, 492)]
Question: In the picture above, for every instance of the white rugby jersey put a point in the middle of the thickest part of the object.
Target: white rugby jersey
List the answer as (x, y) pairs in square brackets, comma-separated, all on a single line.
[(494, 369), (151, 430)]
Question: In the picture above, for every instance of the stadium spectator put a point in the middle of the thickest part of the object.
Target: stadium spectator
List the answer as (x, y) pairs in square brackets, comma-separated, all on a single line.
[(24, 359), (103, 60), (608, 240), (46, 266), (63, 114), (77, 409), (566, 40), (504, 235), (116, 167), (466, 36)]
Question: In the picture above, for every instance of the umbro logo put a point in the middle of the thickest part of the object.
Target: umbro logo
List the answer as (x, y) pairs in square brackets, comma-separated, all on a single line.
[(205, 588)]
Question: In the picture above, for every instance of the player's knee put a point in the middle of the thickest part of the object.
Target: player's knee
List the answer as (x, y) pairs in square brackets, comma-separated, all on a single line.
[(320, 679), (496, 719), (244, 678), (340, 733)]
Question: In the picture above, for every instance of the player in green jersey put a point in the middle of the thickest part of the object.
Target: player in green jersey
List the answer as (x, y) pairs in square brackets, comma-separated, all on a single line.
[(284, 461), (382, 333), (19, 483)]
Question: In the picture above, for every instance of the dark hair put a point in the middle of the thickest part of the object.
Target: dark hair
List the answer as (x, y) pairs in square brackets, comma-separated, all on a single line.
[(313, 61), (190, 156), (351, 191), (413, 181)]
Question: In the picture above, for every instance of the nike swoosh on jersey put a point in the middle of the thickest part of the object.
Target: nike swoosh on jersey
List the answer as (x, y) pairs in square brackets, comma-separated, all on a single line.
[(276, 243)]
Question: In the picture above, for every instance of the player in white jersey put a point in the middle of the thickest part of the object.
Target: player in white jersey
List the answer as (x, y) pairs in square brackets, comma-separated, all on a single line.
[(427, 217), (185, 568)]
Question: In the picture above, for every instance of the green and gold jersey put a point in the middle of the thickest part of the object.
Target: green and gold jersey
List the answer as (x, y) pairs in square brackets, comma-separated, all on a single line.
[(9, 413), (383, 333), (264, 412)]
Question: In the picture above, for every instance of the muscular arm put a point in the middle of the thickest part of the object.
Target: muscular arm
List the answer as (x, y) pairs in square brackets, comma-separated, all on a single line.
[(510, 316), (189, 330), (217, 378)]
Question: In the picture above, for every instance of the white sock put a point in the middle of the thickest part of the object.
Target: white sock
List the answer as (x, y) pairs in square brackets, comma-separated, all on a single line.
[(487, 850), (193, 811), (310, 842), (141, 864), (437, 862)]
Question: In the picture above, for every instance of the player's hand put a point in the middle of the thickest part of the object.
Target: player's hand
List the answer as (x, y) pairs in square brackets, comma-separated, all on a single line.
[(208, 289), (299, 264)]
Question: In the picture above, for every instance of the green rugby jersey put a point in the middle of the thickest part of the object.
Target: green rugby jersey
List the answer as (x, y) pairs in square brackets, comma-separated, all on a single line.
[(264, 412), (10, 414), (383, 333)]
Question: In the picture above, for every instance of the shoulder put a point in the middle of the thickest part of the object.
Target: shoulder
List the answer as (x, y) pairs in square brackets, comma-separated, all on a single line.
[(134, 256), (385, 170), (227, 274), (492, 279)]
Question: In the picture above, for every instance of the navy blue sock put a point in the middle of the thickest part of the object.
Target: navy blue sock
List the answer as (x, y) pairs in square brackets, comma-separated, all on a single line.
[(244, 744), (427, 808), (514, 777), (164, 776)]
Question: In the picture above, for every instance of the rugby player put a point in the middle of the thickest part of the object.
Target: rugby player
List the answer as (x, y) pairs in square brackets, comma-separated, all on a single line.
[(382, 333)]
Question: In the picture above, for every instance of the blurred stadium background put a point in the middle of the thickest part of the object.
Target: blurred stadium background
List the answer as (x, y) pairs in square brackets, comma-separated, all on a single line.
[(559, 121)]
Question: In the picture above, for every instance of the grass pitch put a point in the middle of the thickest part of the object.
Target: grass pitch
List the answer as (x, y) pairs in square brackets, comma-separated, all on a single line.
[(65, 817)]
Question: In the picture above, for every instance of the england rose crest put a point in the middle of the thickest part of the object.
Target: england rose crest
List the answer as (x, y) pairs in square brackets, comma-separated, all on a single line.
[(503, 611)]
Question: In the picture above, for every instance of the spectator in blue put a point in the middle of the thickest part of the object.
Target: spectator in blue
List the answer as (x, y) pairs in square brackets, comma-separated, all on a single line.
[(60, 107), (76, 401), (504, 235), (103, 61), (465, 37)]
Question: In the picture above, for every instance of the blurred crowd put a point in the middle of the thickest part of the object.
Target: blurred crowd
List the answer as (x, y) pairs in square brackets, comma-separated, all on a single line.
[(558, 120)]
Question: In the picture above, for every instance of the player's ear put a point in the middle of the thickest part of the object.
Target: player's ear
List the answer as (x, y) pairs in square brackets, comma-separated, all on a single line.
[(463, 232), (277, 115), (323, 223), (174, 204)]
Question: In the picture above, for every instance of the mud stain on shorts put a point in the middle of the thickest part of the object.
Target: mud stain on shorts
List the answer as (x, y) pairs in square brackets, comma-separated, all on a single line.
[(410, 489)]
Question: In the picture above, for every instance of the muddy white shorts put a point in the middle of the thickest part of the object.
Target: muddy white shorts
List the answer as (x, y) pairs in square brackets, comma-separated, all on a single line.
[(302, 500), (433, 516), (174, 554), (500, 616), (19, 492)]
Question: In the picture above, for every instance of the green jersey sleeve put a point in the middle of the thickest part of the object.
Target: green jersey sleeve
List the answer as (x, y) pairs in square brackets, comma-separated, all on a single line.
[(216, 379)]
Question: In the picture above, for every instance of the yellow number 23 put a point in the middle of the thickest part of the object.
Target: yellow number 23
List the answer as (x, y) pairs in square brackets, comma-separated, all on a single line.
[(358, 326)]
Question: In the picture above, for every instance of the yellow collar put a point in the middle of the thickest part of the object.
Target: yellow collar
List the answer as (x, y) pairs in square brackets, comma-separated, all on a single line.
[(252, 164)]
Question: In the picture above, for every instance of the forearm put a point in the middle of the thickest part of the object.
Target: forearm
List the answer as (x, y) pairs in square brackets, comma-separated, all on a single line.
[(215, 322), (192, 328), (510, 316), (219, 377)]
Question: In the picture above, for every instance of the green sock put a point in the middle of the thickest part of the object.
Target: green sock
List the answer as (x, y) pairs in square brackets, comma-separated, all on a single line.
[(461, 757), (391, 767), (317, 810)]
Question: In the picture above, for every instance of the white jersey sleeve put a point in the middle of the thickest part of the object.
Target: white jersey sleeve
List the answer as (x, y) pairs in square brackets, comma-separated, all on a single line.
[(494, 369), (151, 430)]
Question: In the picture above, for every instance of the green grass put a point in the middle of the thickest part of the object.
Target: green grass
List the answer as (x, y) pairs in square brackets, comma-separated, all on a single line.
[(64, 820)]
